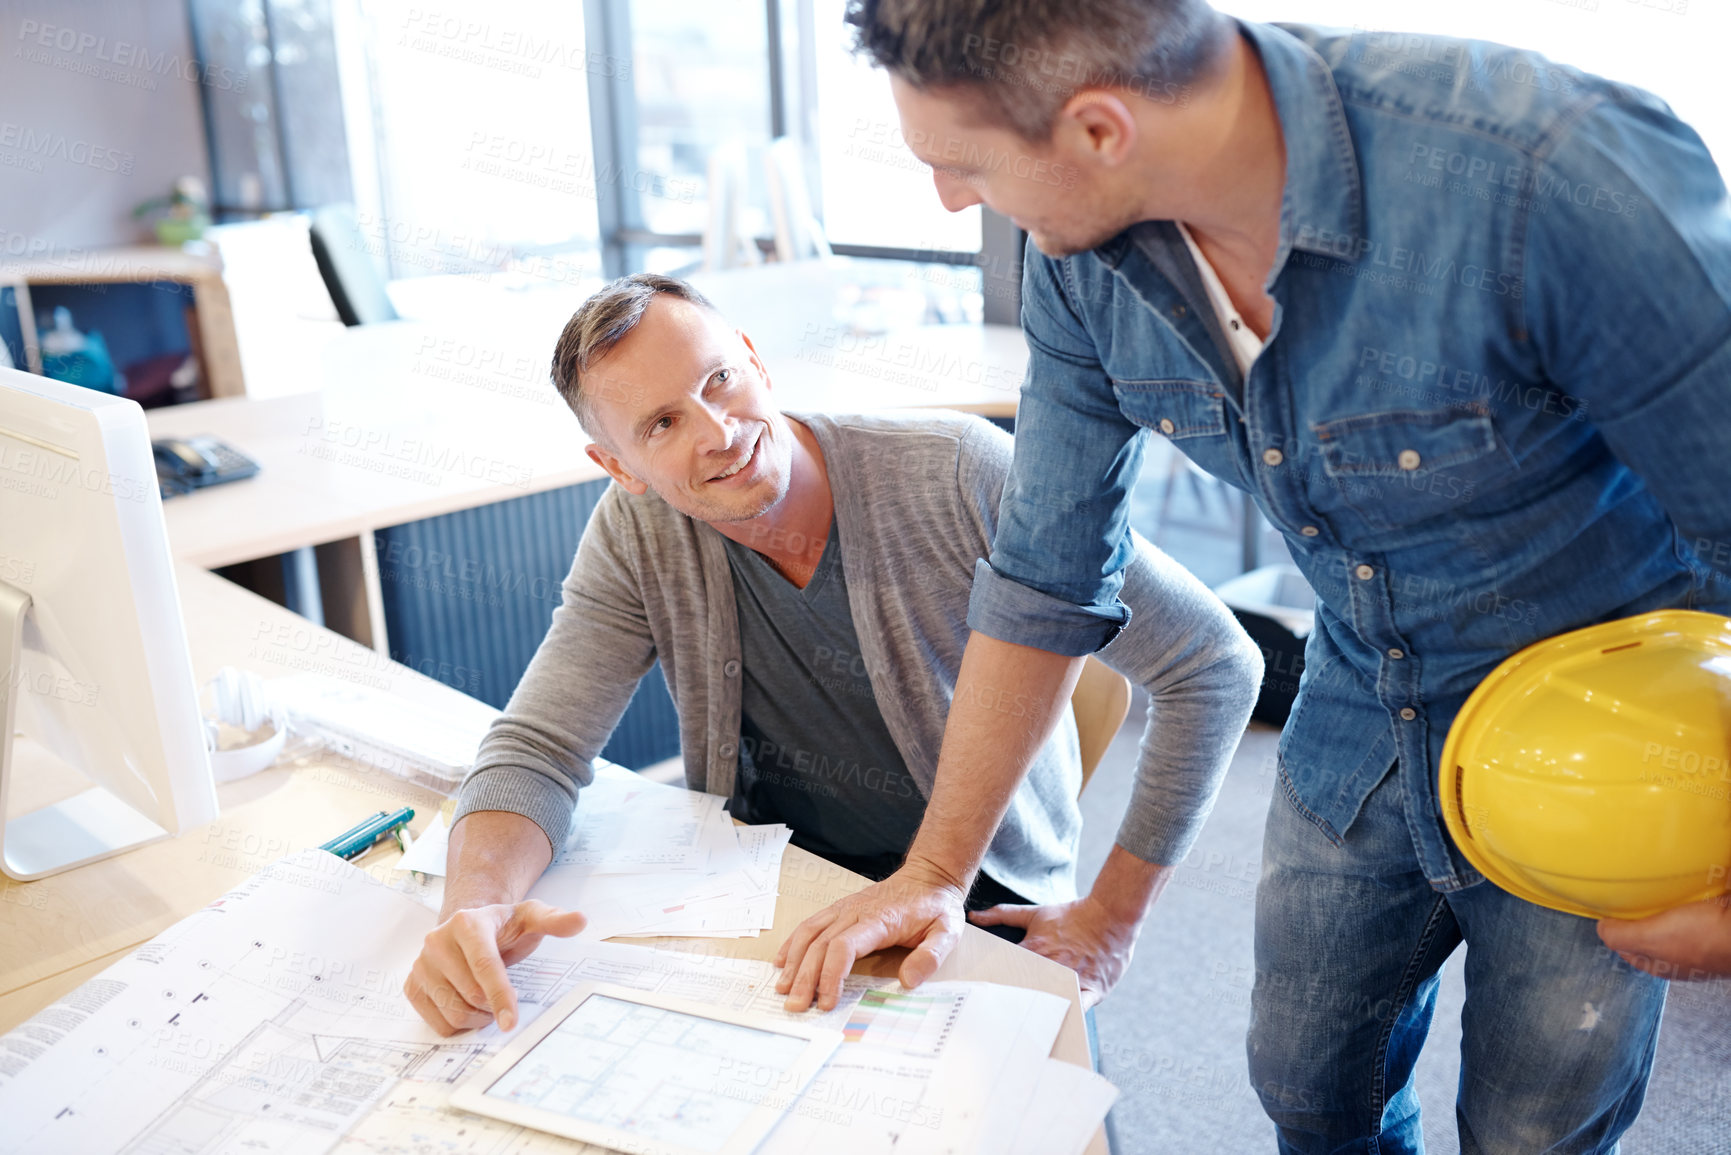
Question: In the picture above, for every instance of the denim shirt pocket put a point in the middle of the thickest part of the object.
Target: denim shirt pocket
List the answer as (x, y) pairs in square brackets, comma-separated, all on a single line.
[(1191, 414), (1402, 467)]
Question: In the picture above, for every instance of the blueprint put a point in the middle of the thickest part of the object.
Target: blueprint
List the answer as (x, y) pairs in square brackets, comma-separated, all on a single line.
[(272, 1022), (659, 1075), (267, 1022)]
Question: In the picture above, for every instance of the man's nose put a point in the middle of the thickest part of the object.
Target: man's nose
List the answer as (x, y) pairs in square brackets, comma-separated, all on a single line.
[(956, 194), (715, 429)]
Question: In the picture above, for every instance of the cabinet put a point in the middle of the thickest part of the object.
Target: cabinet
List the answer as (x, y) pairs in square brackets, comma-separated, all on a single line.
[(149, 302)]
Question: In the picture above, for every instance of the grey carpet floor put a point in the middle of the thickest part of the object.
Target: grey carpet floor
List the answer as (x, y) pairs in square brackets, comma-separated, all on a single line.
[(1172, 1033)]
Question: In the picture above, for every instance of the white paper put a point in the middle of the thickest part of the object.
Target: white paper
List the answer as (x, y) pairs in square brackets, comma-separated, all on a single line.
[(732, 902), (426, 854), (625, 824), (272, 1023), (664, 876), (1065, 1109), (763, 847), (919, 1071)]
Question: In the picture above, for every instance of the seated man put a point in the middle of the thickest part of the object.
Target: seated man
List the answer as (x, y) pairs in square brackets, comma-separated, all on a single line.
[(804, 581)]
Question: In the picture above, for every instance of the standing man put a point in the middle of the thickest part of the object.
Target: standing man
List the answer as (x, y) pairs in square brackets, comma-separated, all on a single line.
[(1459, 319)]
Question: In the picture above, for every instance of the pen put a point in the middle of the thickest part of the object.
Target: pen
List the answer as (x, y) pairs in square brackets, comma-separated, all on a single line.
[(357, 841)]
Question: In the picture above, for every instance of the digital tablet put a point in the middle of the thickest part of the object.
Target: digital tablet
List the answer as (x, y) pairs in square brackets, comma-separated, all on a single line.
[(649, 1074)]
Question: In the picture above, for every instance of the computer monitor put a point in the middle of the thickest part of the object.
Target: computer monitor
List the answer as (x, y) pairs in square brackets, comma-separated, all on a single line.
[(103, 748)]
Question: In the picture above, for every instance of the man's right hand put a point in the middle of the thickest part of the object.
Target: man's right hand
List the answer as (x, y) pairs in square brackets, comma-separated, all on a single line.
[(459, 981), (911, 908)]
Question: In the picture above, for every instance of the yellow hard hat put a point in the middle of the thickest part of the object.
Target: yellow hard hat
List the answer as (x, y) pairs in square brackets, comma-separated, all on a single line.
[(1591, 772)]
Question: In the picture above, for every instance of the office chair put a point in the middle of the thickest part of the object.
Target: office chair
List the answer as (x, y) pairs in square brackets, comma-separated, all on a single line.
[(1100, 701), (356, 288)]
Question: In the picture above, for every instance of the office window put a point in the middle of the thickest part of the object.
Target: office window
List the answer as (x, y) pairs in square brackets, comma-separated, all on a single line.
[(700, 73), (480, 133), (1673, 48), (873, 191), (273, 113)]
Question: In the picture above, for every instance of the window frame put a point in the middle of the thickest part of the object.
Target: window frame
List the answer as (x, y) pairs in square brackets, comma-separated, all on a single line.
[(613, 130)]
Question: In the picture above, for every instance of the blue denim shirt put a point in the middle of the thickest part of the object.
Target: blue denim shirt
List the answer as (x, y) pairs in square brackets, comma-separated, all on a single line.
[(1494, 405)]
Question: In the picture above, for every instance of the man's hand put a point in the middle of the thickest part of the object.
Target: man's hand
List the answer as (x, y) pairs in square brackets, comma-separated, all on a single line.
[(986, 751), (459, 980), (1689, 942), (912, 907), (1096, 935), (1082, 935)]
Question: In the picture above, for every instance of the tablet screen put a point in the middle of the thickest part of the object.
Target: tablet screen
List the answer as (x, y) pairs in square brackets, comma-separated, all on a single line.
[(658, 1074)]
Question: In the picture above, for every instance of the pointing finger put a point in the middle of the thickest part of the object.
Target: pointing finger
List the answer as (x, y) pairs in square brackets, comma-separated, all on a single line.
[(481, 952), (538, 918)]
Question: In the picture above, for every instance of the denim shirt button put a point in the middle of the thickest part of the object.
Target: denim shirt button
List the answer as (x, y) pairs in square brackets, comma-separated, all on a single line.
[(1397, 653), (1408, 459), (1309, 531), (1407, 714), (1365, 573), (1167, 427), (1272, 457)]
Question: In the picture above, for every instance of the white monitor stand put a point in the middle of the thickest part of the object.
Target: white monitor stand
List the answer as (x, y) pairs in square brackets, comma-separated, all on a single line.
[(88, 826)]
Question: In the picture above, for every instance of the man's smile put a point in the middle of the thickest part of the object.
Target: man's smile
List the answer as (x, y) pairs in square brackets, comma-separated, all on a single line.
[(736, 467)]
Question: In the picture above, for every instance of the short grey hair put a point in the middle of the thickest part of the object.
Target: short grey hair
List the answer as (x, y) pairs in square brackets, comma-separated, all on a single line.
[(1023, 59), (599, 324)]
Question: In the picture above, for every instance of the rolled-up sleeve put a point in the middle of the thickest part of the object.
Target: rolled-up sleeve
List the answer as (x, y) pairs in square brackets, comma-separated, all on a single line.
[(1057, 563)]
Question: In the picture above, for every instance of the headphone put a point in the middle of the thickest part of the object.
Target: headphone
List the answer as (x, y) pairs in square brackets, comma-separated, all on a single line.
[(243, 700)]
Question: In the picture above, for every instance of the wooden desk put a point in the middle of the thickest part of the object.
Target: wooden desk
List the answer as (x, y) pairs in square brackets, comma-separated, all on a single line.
[(61, 931)]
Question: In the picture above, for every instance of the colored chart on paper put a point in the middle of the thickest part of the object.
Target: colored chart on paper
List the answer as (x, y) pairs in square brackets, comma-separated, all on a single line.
[(909, 1023)]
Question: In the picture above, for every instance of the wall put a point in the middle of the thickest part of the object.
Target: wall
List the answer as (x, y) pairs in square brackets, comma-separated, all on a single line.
[(99, 110)]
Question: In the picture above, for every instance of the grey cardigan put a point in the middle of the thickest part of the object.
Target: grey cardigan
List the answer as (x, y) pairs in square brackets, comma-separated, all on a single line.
[(916, 499)]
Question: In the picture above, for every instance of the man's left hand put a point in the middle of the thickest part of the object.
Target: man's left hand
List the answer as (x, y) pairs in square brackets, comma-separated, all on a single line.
[(1080, 934), (1688, 942)]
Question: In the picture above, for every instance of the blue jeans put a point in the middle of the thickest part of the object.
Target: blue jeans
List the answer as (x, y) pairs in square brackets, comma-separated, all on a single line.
[(1558, 1032)]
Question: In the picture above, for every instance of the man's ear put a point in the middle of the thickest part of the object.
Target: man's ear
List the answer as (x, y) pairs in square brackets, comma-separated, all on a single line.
[(616, 470), (762, 369), (1098, 122)]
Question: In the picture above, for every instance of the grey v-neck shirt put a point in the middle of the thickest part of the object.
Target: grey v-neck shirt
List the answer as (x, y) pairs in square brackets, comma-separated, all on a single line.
[(814, 750)]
